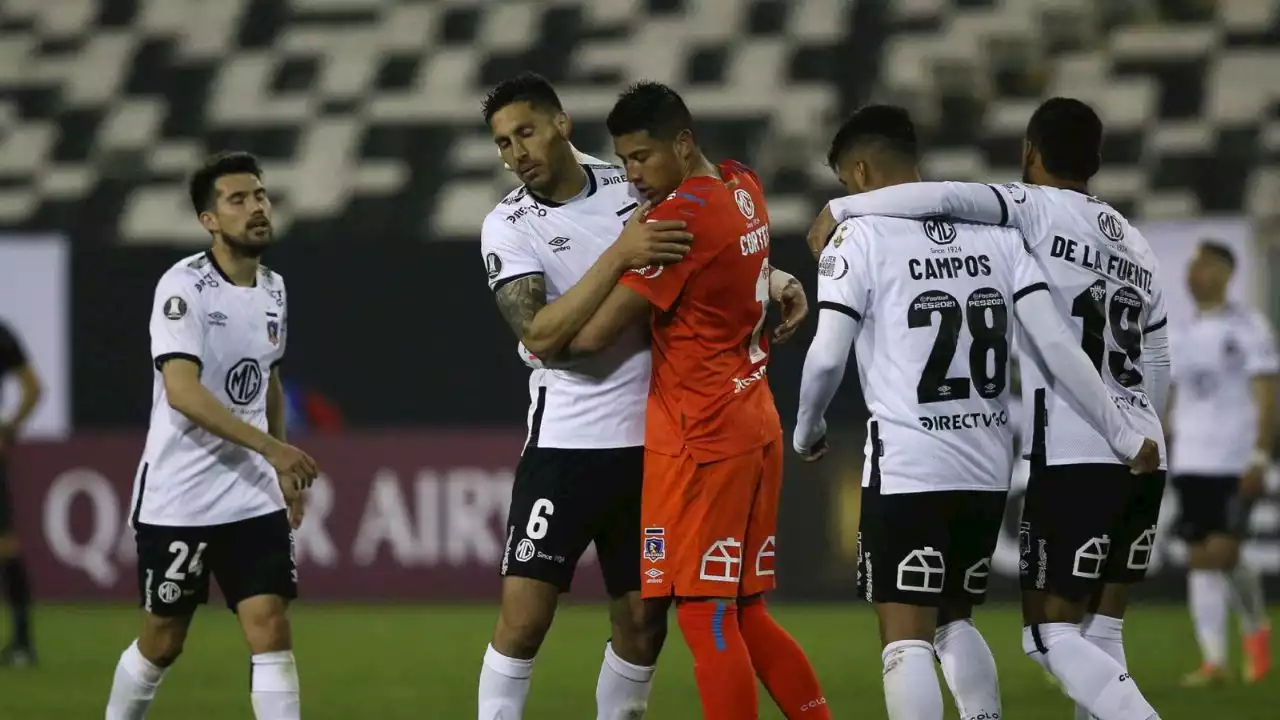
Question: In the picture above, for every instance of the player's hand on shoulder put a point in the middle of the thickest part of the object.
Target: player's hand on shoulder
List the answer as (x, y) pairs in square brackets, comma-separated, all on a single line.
[(820, 231), (1148, 458), (290, 461), (643, 243)]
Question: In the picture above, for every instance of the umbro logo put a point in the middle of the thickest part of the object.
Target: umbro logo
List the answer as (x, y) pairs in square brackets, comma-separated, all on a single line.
[(559, 243), (217, 318)]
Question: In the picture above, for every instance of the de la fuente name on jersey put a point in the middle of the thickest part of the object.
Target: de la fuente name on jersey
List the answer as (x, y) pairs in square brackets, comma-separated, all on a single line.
[(1119, 268)]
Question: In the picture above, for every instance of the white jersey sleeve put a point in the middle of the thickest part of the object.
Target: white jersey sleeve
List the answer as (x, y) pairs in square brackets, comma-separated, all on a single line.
[(1012, 204), (177, 322), (843, 294), (844, 272), (1260, 349), (507, 253), (283, 329)]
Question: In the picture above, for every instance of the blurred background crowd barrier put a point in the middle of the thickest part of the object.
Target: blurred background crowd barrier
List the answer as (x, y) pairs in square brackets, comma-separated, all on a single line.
[(366, 113)]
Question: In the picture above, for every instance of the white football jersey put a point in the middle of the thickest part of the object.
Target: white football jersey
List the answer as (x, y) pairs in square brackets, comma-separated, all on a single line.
[(236, 335), (601, 402), (1216, 357), (935, 300), (1105, 281)]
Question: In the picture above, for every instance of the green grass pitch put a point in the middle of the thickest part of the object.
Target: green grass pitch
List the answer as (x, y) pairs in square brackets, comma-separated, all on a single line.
[(391, 662)]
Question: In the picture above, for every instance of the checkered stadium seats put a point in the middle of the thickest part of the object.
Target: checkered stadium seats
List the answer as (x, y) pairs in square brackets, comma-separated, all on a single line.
[(366, 112), (1188, 89)]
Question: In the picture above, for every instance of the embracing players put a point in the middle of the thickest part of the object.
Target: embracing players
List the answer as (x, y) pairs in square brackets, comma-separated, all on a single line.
[(554, 249), (218, 482), (928, 304), (14, 362), (1088, 525), (713, 443), (1222, 419)]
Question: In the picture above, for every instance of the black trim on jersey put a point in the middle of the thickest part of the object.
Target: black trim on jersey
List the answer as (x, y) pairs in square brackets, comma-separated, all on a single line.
[(498, 285), (142, 488), (842, 309), (592, 186), (876, 448), (214, 262), (1039, 421), (1004, 207), (1033, 287), (1039, 641), (535, 427), (1156, 325), (627, 209), (162, 359)]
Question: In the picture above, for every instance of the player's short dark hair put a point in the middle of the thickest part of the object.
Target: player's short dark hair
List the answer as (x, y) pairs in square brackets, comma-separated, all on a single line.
[(1219, 250), (651, 107), (1068, 134), (203, 185), (527, 87), (889, 126)]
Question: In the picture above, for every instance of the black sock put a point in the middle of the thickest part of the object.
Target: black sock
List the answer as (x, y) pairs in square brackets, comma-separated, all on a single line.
[(18, 591)]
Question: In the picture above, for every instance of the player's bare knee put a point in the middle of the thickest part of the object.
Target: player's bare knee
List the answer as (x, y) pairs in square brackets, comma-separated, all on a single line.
[(1111, 601), (950, 612), (265, 623), (1221, 552), (899, 621), (639, 631), (162, 639), (1055, 609)]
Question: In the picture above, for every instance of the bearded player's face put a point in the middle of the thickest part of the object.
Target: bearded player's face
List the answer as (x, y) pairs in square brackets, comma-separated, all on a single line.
[(241, 214), (656, 167), (534, 143)]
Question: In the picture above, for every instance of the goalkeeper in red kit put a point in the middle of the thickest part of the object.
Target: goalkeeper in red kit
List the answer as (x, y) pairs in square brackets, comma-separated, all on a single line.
[(713, 442)]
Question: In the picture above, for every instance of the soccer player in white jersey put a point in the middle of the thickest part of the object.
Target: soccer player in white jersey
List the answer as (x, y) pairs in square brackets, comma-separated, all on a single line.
[(928, 304), (554, 248), (1222, 414), (1088, 525), (218, 485)]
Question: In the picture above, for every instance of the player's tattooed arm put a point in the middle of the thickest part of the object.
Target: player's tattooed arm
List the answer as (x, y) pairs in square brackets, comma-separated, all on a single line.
[(519, 302)]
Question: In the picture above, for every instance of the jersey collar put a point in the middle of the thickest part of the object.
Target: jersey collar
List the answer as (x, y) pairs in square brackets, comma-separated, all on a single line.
[(214, 262), (591, 190)]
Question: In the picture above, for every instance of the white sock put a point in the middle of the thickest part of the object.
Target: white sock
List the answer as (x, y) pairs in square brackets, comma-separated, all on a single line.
[(1107, 634), (969, 668), (504, 685), (1088, 675), (622, 692), (134, 685), (911, 689), (1246, 598), (1209, 594), (273, 686)]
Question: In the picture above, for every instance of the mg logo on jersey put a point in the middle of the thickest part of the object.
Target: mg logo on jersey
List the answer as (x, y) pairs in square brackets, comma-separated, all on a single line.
[(723, 562), (1111, 226), (746, 205), (940, 231), (244, 381)]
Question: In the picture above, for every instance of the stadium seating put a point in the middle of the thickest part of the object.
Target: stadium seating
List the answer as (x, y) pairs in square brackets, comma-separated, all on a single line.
[(367, 111)]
